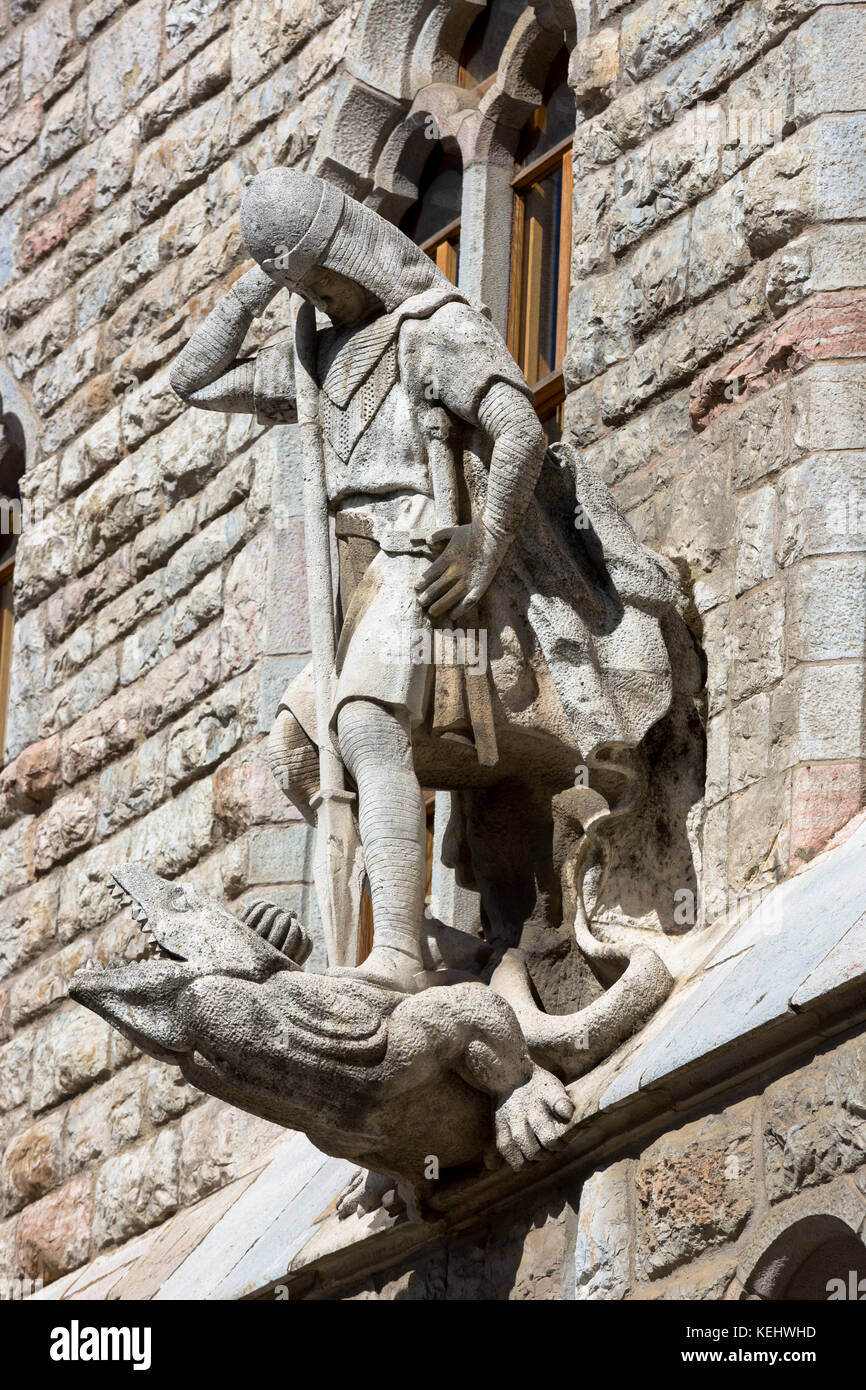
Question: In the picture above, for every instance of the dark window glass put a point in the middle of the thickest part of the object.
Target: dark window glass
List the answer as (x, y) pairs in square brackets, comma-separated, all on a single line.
[(433, 222), (486, 39)]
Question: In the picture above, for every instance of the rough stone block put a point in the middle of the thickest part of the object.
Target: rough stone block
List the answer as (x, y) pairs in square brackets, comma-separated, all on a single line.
[(756, 518), (218, 1144), (759, 631), (694, 1191), (178, 833), (718, 249), (827, 408), (70, 1052), (27, 924), (136, 1189), (760, 439), (830, 64), (660, 29), (759, 846), (821, 506), (816, 715), (54, 1233), (15, 1071), (67, 828), (603, 1248), (31, 1164), (750, 741), (205, 736), (46, 46), (124, 64), (827, 609), (825, 797), (131, 788), (106, 1118), (815, 1127)]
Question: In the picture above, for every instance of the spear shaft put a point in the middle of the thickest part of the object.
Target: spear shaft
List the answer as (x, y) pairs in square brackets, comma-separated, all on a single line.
[(338, 867)]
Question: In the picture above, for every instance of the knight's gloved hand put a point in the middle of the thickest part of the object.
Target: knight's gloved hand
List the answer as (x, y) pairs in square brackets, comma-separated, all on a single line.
[(255, 290), (282, 929), (460, 576)]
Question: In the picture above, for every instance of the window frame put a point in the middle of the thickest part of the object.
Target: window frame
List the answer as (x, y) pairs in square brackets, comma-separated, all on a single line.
[(548, 391), (443, 248)]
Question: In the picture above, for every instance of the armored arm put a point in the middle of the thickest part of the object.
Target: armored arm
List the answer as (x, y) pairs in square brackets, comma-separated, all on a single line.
[(207, 373), (507, 416)]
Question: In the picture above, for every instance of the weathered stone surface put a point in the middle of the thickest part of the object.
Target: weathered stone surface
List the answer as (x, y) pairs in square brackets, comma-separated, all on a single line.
[(27, 924), (816, 714), (756, 519), (218, 1143), (242, 629), (827, 609), (131, 788), (760, 439), (594, 67), (66, 829), (760, 834), (759, 627), (109, 264), (602, 1257), (69, 1053), (205, 736), (46, 45), (124, 64), (814, 1127), (15, 1071), (750, 742), (821, 509), (106, 1118), (54, 1233), (825, 796), (708, 1280), (694, 1190), (31, 1164), (136, 1189), (245, 792)]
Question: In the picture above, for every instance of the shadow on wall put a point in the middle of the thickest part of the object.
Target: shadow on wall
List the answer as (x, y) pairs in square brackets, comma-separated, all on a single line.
[(818, 1258)]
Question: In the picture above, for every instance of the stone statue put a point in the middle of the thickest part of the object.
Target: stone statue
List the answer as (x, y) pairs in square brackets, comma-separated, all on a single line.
[(500, 634), (407, 1077)]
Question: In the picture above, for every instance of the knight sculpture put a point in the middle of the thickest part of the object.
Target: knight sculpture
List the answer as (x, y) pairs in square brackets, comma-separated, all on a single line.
[(454, 522)]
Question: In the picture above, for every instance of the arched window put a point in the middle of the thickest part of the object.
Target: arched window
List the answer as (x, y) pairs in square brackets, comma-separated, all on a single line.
[(541, 246), (485, 41), (433, 222), (12, 460), (816, 1259)]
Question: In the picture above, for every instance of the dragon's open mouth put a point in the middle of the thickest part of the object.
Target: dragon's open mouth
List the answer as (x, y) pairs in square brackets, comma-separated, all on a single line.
[(154, 949)]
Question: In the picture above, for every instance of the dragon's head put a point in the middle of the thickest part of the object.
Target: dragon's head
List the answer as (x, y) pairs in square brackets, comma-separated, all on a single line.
[(191, 936)]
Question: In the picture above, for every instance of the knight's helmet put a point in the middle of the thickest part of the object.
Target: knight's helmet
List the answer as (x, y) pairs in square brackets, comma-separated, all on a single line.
[(302, 221)]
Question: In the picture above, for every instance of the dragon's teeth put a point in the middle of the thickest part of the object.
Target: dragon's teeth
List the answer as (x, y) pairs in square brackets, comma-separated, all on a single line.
[(139, 913)]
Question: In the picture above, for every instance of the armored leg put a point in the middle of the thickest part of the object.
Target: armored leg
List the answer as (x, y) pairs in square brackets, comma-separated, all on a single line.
[(376, 748), (294, 761)]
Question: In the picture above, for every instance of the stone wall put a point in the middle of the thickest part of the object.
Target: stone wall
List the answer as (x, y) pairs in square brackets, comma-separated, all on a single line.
[(691, 1214), (717, 332), (148, 660), (715, 378)]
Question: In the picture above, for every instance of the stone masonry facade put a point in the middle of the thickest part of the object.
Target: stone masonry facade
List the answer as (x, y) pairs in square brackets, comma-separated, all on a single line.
[(684, 1216), (716, 378)]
